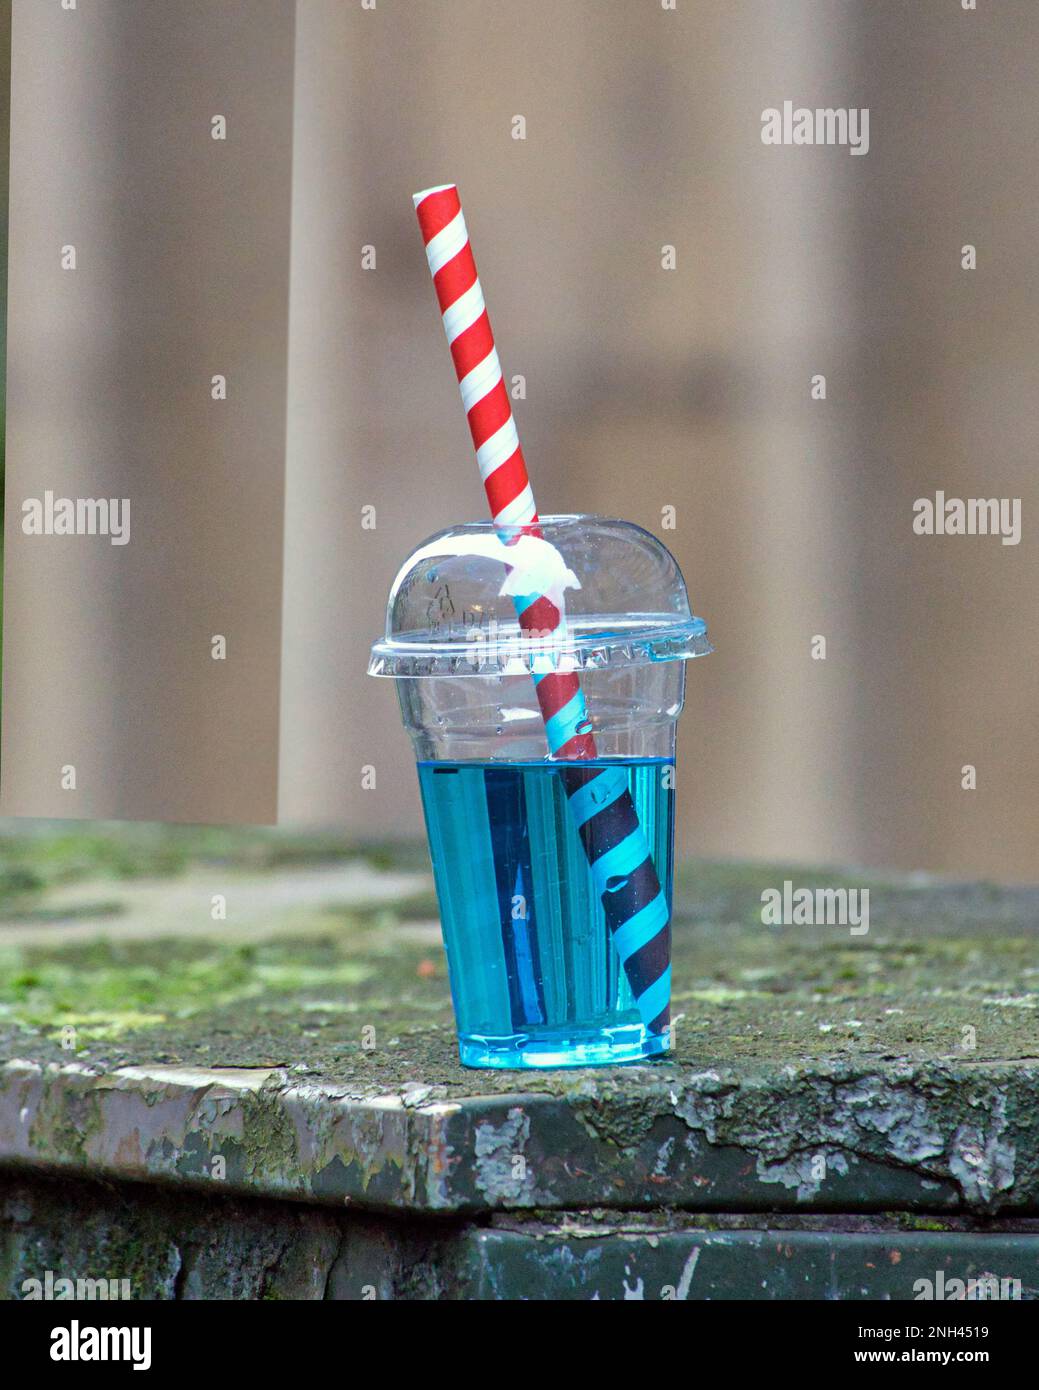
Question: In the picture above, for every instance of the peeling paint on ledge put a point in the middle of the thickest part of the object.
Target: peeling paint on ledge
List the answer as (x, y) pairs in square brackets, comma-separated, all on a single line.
[(912, 1138)]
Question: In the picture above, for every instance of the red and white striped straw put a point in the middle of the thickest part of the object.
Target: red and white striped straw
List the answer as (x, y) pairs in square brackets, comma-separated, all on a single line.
[(468, 329), (498, 452)]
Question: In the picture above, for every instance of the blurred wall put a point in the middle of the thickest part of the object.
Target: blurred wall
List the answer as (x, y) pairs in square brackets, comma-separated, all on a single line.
[(646, 389), (691, 387), (114, 705)]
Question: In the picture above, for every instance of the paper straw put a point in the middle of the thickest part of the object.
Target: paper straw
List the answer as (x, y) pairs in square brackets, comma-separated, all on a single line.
[(622, 868)]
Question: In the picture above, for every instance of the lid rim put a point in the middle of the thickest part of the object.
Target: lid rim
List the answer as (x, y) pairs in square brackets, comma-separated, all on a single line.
[(516, 657), (516, 640)]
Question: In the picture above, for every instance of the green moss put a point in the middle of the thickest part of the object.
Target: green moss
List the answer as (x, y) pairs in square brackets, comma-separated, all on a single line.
[(62, 1132), (35, 858), (103, 1027), (269, 1142), (909, 1222), (104, 990), (416, 907)]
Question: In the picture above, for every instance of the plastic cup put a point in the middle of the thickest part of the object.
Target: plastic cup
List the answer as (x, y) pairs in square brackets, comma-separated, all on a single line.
[(537, 968)]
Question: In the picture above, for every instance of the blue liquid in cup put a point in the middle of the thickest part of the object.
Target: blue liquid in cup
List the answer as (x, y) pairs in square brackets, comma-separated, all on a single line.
[(535, 978)]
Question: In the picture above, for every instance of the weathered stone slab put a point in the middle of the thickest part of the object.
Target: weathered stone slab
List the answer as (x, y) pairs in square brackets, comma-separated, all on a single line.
[(582, 1260), (813, 1069), (939, 1138), (141, 1244), (60, 1239)]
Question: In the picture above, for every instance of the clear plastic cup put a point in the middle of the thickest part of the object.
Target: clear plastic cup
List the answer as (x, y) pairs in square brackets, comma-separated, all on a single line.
[(555, 913)]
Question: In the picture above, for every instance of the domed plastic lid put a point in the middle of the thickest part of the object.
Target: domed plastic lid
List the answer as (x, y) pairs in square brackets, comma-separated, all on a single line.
[(454, 607)]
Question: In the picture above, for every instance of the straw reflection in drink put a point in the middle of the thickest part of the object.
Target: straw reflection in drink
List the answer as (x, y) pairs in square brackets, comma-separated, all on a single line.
[(530, 952)]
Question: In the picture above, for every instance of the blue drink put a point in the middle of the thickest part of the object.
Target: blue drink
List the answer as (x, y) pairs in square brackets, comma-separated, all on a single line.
[(535, 977)]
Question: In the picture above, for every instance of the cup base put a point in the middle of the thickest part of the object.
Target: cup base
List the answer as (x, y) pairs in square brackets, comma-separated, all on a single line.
[(563, 1047)]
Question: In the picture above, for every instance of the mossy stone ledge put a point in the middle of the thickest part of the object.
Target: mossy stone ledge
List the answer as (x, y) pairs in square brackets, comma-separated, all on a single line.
[(301, 1050)]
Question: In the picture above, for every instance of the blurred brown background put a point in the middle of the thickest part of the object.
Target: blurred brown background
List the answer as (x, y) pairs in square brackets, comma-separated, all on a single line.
[(648, 388), (181, 274), (691, 387)]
